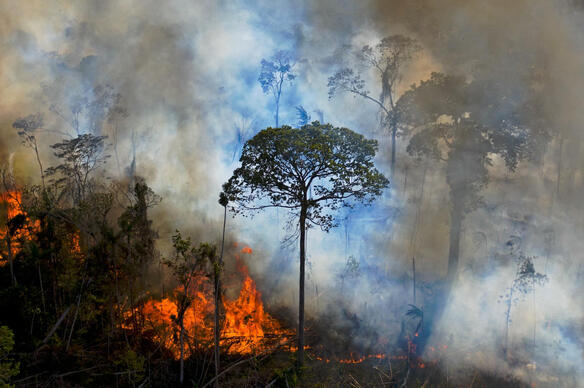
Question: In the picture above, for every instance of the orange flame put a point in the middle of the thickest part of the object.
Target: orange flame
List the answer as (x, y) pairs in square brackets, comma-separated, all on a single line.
[(11, 201), (246, 328)]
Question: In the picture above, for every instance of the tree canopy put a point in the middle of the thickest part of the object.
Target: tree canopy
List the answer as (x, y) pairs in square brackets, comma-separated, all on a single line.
[(387, 59), (276, 71), (280, 165)]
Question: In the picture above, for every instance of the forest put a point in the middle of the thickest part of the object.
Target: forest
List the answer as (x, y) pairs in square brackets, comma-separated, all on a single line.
[(291, 194)]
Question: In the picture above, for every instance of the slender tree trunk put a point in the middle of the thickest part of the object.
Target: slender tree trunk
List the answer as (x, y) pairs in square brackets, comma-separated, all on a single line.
[(393, 146), (42, 288), (454, 249), (10, 259), (182, 347), (76, 313), (277, 107), (414, 278), (559, 170), (300, 360), (36, 151), (534, 316), (508, 321), (217, 299)]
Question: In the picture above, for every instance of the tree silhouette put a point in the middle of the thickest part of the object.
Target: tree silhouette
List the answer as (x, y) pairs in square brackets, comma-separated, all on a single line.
[(387, 59), (450, 127), (27, 128), (276, 71)]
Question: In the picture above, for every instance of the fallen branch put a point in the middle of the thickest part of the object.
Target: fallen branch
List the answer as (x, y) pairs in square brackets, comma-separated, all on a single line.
[(77, 371), (56, 325), (231, 367), (29, 377), (404, 384), (354, 383)]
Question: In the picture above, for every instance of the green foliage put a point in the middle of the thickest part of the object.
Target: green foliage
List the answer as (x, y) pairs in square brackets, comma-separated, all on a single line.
[(80, 158), (8, 368), (280, 165), (132, 364)]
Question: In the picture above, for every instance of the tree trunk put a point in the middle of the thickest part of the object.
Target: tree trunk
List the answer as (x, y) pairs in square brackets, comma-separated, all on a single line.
[(414, 278), (454, 249), (10, 259), (182, 346), (36, 151), (393, 146), (508, 321), (277, 107), (559, 169), (300, 360), (42, 288), (217, 299)]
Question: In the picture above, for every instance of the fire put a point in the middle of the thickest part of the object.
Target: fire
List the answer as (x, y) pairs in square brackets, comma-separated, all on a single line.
[(11, 201), (247, 327)]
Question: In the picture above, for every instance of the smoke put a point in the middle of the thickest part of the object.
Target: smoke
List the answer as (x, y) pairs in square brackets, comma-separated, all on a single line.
[(186, 73)]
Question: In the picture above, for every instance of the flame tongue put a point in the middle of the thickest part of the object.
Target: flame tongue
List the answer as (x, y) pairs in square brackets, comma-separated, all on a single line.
[(11, 201)]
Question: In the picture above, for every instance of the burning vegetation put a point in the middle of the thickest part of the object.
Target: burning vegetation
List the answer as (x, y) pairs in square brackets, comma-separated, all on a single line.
[(247, 328), (437, 242)]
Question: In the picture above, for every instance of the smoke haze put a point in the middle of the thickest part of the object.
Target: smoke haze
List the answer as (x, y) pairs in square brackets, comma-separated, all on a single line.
[(186, 73)]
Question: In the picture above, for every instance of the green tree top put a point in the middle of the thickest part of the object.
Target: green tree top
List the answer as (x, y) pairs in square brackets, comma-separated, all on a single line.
[(280, 165)]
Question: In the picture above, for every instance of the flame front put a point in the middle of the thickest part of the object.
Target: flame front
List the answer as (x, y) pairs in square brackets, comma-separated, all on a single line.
[(247, 327)]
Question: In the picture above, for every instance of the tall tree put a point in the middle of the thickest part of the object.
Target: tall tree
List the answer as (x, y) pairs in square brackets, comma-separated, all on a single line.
[(275, 72), (80, 158), (27, 128), (217, 269), (452, 127), (387, 59), (279, 167)]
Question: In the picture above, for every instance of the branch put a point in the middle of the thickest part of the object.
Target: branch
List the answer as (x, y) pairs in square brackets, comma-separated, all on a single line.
[(231, 367), (267, 206), (56, 325), (372, 99)]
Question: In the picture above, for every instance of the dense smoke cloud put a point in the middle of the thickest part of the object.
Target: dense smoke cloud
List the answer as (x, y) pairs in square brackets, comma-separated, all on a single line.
[(187, 75)]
